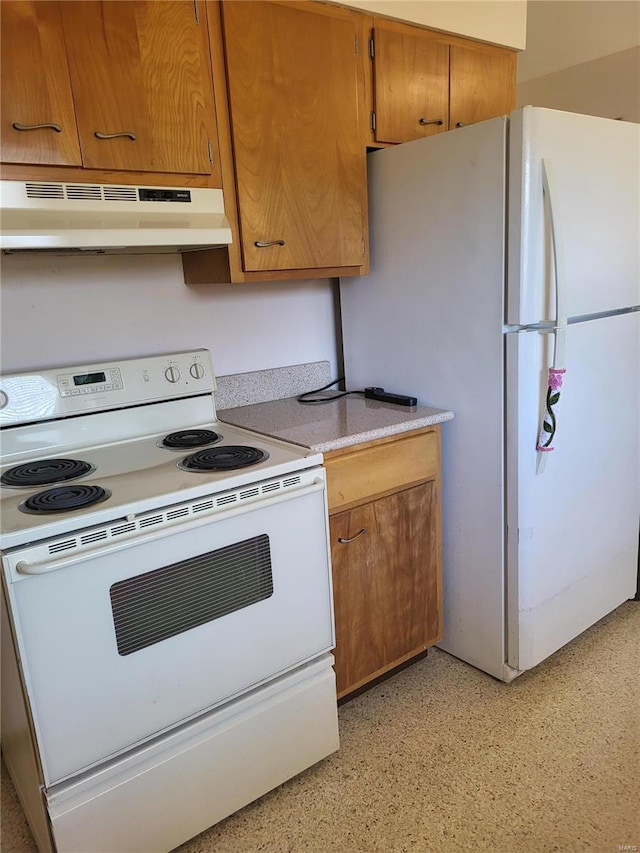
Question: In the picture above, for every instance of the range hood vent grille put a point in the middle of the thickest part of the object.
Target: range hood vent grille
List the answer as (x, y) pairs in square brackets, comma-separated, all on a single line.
[(92, 192), (44, 190), (82, 191), (120, 194)]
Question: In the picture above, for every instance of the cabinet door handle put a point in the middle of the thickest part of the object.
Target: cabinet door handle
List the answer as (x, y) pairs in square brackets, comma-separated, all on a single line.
[(128, 133), (460, 124), (343, 541), (262, 245), (430, 121), (17, 126)]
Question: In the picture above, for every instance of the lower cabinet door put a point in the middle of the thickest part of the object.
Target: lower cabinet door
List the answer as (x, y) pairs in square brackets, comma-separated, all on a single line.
[(386, 583)]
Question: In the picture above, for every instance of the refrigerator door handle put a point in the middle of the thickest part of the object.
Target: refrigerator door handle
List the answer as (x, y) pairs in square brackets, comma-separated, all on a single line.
[(559, 275), (555, 376)]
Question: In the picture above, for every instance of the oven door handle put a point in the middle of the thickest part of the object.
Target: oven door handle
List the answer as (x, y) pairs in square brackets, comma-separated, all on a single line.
[(24, 567)]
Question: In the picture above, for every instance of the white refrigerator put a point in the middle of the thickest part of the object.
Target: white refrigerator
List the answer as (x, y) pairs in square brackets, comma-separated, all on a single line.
[(505, 286)]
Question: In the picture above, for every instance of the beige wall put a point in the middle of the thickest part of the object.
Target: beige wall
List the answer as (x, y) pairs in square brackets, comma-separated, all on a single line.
[(68, 310), (498, 21), (582, 56), (564, 33), (608, 87)]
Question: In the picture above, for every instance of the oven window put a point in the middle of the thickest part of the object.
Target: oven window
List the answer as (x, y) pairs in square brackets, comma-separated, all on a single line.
[(157, 605)]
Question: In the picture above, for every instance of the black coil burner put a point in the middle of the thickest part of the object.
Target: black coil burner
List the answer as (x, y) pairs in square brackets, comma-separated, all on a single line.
[(186, 438), (64, 499), (224, 458), (45, 471)]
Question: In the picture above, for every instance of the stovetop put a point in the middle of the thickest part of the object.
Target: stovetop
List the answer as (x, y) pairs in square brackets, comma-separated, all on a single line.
[(139, 475), (117, 434)]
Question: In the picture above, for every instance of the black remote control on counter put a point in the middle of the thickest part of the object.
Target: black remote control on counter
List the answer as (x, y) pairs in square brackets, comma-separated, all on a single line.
[(385, 397)]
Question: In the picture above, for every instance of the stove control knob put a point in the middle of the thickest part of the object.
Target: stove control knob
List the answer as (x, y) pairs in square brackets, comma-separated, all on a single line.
[(3, 399), (172, 374), (196, 370)]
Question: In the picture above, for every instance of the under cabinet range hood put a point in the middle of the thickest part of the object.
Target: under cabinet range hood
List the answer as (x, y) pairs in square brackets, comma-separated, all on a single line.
[(44, 216)]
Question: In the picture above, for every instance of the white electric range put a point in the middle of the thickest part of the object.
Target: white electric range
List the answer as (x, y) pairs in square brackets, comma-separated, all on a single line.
[(167, 605)]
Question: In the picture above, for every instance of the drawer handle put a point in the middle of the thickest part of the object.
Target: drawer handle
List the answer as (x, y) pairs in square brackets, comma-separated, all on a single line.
[(430, 121), (128, 133), (262, 245), (343, 541), (17, 126)]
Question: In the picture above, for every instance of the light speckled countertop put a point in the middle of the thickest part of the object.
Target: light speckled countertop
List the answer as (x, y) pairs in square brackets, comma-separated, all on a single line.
[(332, 425)]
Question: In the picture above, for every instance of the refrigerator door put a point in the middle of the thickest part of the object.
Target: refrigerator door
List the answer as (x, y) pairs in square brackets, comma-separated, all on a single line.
[(594, 164), (572, 531), (428, 321)]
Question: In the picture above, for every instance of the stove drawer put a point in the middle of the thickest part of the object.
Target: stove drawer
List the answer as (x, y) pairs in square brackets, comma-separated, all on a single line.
[(181, 784), (125, 642)]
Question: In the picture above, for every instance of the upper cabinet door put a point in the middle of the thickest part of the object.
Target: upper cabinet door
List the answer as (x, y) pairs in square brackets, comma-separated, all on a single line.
[(299, 158), (142, 85), (38, 123), (483, 84), (411, 83)]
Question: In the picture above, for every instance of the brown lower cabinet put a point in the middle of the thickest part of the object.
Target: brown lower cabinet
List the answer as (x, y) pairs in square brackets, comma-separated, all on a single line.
[(384, 523)]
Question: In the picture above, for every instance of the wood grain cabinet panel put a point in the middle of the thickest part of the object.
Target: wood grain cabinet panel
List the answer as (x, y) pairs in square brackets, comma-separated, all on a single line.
[(483, 84), (39, 102), (385, 576), (292, 80), (426, 82), (361, 473), (128, 84), (141, 85), (411, 84), (384, 525)]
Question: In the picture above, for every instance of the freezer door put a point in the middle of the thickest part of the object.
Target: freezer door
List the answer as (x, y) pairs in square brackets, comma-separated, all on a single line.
[(594, 164), (572, 530)]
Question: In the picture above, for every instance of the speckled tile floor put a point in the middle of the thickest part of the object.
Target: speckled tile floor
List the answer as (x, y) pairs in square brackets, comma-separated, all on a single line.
[(443, 758)]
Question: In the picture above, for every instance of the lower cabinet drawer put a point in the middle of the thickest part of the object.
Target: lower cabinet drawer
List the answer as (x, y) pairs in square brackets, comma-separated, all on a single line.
[(375, 470)]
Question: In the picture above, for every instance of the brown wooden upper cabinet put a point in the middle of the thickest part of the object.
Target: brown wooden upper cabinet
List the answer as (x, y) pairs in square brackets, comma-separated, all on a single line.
[(426, 82), (411, 83), (116, 86), (482, 84), (38, 123), (297, 153)]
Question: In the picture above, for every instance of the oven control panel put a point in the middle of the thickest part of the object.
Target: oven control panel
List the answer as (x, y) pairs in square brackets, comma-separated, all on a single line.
[(74, 384), (39, 395)]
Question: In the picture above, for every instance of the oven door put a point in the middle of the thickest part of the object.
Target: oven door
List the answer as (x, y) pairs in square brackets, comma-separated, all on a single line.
[(126, 640)]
